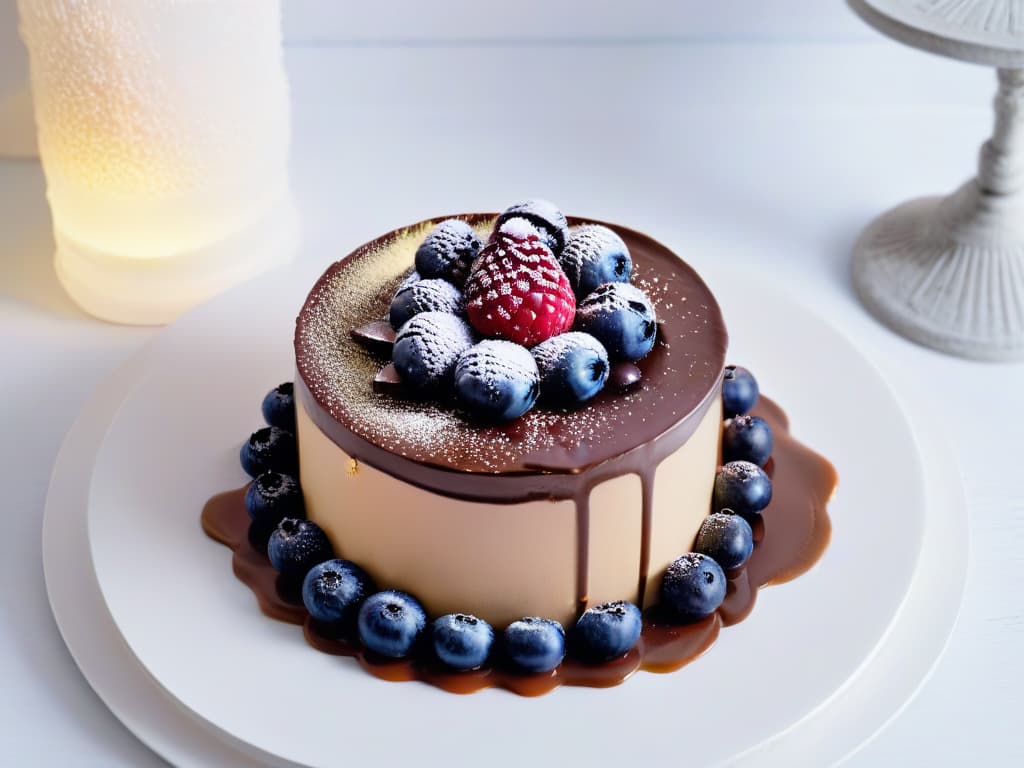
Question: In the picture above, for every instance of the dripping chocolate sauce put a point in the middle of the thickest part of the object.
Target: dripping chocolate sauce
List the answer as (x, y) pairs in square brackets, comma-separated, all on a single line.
[(790, 538)]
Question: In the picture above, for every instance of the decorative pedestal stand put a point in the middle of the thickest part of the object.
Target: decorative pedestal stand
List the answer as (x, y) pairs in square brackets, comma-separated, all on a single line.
[(948, 272)]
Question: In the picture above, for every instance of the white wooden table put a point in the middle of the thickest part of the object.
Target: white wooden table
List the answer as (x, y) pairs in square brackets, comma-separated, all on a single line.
[(767, 155)]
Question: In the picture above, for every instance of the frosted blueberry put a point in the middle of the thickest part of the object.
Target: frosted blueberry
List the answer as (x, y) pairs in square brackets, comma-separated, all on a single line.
[(739, 391), (573, 367), (427, 348), (747, 438), (726, 538), (606, 631), (693, 587), (544, 215), (595, 255), (743, 487), (295, 546), (424, 296), (462, 641), (621, 317), (279, 407), (270, 448), (390, 623), (273, 496), (333, 591), (534, 644), (497, 380), (448, 252)]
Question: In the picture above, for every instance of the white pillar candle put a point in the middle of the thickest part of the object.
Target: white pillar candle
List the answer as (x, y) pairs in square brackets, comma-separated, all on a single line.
[(163, 128)]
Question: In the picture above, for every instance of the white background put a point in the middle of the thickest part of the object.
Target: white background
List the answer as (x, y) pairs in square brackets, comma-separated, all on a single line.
[(767, 137)]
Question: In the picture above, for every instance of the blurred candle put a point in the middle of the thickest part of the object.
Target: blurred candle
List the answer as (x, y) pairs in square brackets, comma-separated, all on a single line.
[(163, 128)]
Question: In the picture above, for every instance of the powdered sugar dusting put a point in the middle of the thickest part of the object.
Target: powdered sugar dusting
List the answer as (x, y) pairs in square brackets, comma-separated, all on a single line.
[(518, 228)]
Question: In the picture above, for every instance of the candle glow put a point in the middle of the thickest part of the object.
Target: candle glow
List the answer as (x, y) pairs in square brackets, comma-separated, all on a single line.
[(163, 129)]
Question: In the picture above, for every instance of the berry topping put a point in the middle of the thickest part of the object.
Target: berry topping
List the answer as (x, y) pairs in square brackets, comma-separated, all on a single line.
[(333, 591), (742, 487), (410, 279), (517, 290), (549, 222), (296, 546), (606, 631), (595, 255), (573, 367), (747, 438), (427, 348), (390, 623), (279, 407), (269, 448), (726, 538), (739, 391), (497, 380), (461, 641), (448, 252), (534, 644), (272, 497), (424, 296), (693, 587), (621, 317)]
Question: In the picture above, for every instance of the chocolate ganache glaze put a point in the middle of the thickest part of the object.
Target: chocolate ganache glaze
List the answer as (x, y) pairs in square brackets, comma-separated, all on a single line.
[(791, 535), (545, 454)]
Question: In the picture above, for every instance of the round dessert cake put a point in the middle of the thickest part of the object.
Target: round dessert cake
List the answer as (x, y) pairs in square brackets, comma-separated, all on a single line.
[(539, 516), (513, 456)]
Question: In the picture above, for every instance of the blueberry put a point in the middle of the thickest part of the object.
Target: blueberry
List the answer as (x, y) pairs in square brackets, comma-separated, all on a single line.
[(409, 279), (534, 644), (279, 407), (742, 487), (739, 391), (606, 631), (545, 217), (272, 497), (424, 296), (391, 622), (747, 438), (693, 587), (621, 317), (726, 538), (462, 641), (333, 591), (295, 546), (427, 348), (448, 252), (497, 380), (573, 367), (595, 255), (270, 448)]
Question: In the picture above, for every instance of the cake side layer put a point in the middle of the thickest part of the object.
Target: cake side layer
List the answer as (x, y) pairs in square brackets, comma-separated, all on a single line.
[(501, 561)]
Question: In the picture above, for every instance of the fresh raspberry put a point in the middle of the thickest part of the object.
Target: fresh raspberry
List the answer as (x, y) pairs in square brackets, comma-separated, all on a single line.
[(517, 290)]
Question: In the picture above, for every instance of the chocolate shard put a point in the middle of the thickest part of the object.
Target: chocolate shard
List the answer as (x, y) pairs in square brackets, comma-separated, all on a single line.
[(388, 382), (377, 337), (624, 377)]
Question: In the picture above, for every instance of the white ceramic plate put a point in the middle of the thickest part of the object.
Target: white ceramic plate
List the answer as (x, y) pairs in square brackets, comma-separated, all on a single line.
[(199, 634), (92, 638)]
